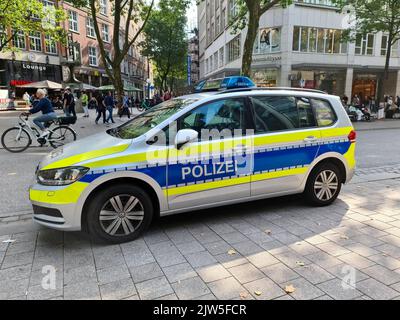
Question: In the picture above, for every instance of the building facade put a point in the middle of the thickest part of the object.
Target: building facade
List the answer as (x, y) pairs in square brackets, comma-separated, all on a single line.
[(193, 52), (297, 46), (38, 59)]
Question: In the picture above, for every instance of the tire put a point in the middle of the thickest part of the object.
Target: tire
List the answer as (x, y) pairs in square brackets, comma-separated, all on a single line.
[(105, 224), (317, 192), (11, 134), (61, 136), (140, 109)]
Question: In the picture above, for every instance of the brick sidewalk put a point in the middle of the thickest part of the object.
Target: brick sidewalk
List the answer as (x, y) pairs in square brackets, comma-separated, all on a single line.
[(249, 251)]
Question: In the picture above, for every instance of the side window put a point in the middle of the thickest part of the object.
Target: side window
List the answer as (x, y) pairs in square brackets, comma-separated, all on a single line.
[(278, 113), (324, 113), (221, 115)]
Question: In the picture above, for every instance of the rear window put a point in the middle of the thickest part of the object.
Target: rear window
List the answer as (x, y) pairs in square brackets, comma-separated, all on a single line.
[(323, 112)]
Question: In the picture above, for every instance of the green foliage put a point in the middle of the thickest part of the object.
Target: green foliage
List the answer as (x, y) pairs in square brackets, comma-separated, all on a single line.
[(166, 40), (29, 16)]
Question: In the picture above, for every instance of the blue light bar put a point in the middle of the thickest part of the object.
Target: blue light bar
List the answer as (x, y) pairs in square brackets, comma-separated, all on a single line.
[(228, 83)]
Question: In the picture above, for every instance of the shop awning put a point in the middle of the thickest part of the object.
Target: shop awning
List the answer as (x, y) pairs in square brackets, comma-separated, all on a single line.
[(46, 84), (111, 88)]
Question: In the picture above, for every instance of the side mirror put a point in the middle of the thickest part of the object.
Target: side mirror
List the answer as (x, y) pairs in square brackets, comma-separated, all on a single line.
[(185, 136)]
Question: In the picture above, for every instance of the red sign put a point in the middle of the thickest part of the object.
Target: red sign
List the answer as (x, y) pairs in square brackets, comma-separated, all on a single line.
[(14, 83)]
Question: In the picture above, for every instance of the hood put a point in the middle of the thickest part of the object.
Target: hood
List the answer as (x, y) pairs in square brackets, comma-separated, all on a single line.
[(88, 148)]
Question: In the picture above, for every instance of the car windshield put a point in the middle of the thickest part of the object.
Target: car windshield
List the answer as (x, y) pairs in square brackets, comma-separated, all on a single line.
[(150, 119)]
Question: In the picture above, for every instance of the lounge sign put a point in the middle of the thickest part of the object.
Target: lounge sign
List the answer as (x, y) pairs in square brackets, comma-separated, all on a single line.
[(33, 67)]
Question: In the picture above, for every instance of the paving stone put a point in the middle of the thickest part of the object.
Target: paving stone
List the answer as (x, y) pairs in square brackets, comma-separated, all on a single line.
[(245, 228), (314, 273), (112, 274), (226, 289), (213, 272), (15, 273), (285, 237), (39, 293), (221, 227), (169, 297), (291, 258), (324, 298), (388, 262), (200, 259), (190, 288), (145, 272), (78, 260), (362, 250), (304, 289), (209, 296), (342, 270), (206, 237), (118, 290), (179, 235), (355, 260), (229, 261), (233, 237), (38, 276), (269, 290), (20, 247), (324, 259), (260, 237), (156, 236), (338, 290), (80, 274), (179, 272), (316, 239), (304, 248), (280, 273), (13, 288), (107, 260), (368, 240), (262, 259), (154, 288), (376, 290), (246, 273), (139, 258), (391, 250), (333, 249), (15, 260), (247, 248), (49, 236), (56, 260), (218, 247), (190, 247), (382, 274), (88, 290)]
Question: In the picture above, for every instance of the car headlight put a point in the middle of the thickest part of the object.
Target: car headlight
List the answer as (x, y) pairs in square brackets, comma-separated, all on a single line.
[(61, 177)]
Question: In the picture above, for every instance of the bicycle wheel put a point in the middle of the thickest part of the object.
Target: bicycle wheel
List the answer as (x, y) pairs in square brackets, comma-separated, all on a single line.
[(61, 135), (140, 108), (16, 140)]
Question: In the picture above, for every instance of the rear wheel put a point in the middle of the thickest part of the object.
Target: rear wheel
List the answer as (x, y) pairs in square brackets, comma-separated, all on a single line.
[(324, 185), (61, 135), (16, 140), (120, 213)]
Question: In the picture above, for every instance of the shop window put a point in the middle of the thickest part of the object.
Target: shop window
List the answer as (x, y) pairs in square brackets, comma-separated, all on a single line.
[(365, 44), (35, 41), (19, 40), (313, 36), (92, 51), (90, 27), (105, 33), (268, 41), (323, 112), (51, 46), (73, 20), (234, 49), (279, 113), (321, 40)]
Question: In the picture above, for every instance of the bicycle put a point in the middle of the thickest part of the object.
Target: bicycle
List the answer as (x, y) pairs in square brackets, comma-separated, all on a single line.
[(19, 138)]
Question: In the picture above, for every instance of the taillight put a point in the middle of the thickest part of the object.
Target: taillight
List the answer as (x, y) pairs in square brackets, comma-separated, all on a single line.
[(352, 136)]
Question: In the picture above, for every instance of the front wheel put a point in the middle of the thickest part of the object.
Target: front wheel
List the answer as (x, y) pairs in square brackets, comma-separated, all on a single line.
[(16, 140), (120, 213), (60, 136), (324, 185)]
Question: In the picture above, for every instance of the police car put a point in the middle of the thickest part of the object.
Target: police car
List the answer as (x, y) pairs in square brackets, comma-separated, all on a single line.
[(194, 152)]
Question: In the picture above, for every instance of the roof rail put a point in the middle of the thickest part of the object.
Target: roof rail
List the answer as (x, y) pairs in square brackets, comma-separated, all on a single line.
[(271, 89)]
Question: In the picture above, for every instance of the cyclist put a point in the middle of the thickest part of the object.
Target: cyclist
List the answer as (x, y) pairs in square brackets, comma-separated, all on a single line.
[(48, 114)]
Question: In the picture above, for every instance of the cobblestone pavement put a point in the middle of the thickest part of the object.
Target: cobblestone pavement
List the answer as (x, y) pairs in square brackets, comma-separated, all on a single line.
[(350, 250)]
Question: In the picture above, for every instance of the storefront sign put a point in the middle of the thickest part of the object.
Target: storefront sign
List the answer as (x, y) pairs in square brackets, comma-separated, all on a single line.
[(33, 67)]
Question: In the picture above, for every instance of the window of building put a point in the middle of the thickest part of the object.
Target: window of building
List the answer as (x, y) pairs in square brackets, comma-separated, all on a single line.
[(233, 8), (317, 2), (217, 26), (221, 57), (90, 27), (105, 33), (223, 19), (365, 44), (103, 7), (309, 39), (278, 113), (73, 20), (234, 49), (35, 41), (323, 112), (19, 40), (51, 45), (268, 41), (92, 51)]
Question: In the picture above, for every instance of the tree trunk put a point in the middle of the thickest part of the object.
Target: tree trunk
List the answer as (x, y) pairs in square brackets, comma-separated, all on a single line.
[(119, 86), (385, 75), (253, 24)]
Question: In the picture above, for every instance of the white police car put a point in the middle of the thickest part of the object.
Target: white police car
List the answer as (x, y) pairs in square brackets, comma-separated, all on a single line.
[(195, 152)]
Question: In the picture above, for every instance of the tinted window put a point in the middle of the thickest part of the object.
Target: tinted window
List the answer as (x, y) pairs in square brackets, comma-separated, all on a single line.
[(324, 113), (219, 115), (277, 113)]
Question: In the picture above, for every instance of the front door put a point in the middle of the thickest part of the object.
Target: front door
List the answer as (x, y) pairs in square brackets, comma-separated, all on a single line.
[(214, 168), (286, 142)]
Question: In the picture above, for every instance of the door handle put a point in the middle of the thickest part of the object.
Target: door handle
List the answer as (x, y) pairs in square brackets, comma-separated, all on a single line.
[(311, 139)]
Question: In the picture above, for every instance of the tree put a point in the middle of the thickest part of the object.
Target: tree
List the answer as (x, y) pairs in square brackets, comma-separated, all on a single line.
[(372, 16), (166, 40), (27, 16), (248, 13), (126, 14)]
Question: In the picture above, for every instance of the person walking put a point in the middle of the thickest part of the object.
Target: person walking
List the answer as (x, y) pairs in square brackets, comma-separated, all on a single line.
[(85, 102), (125, 108), (109, 103), (69, 103), (100, 109)]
